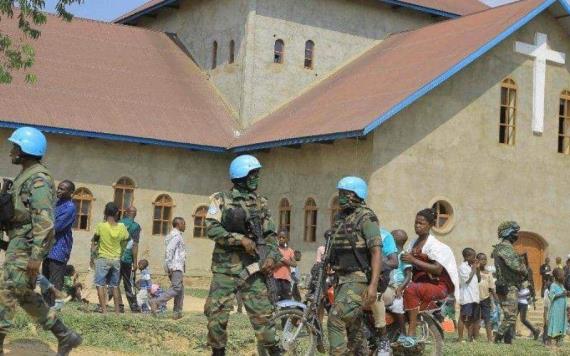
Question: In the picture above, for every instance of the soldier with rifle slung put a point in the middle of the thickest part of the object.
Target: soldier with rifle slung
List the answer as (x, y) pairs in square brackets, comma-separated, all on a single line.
[(240, 224)]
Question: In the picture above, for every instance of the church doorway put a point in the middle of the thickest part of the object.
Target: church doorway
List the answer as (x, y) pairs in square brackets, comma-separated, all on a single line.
[(535, 247)]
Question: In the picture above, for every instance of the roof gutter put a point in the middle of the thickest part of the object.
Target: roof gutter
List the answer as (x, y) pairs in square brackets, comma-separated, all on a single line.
[(297, 141), (113, 137), (427, 10), (144, 12)]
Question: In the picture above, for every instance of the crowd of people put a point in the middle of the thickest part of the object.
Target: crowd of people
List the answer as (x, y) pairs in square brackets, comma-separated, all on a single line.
[(368, 267)]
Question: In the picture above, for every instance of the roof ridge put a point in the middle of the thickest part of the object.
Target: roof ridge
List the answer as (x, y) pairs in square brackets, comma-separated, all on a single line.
[(84, 19)]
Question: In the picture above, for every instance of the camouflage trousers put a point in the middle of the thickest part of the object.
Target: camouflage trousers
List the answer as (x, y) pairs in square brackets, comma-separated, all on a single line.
[(255, 300), (17, 288), (345, 320), (509, 305)]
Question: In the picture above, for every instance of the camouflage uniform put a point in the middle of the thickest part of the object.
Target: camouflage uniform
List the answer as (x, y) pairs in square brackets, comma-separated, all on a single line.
[(511, 272), (228, 260), (345, 319), (31, 236)]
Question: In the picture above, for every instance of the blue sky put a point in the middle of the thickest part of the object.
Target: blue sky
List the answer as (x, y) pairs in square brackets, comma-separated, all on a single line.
[(104, 10), (107, 10)]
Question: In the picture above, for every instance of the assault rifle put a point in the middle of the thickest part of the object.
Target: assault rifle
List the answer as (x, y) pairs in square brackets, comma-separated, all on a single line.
[(319, 280), (254, 227), (6, 210)]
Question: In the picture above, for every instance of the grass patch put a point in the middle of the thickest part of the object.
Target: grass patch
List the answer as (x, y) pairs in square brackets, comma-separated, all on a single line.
[(145, 335), (521, 347), (197, 292), (141, 334)]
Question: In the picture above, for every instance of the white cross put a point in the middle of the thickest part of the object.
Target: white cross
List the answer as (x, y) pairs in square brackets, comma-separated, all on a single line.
[(541, 54)]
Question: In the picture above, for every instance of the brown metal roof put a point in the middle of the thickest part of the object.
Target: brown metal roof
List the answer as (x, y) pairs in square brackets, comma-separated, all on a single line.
[(459, 7), (386, 77), (105, 79)]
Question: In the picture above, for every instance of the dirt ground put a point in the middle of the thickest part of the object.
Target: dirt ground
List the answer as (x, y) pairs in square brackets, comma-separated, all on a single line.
[(33, 347)]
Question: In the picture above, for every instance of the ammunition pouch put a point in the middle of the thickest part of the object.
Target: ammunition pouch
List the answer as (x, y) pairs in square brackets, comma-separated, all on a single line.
[(6, 209), (347, 260), (234, 220)]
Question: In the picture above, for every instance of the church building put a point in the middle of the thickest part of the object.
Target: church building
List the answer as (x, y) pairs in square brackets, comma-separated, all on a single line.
[(436, 103)]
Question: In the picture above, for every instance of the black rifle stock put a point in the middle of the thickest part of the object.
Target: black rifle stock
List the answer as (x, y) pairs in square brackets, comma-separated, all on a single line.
[(254, 226), (321, 274)]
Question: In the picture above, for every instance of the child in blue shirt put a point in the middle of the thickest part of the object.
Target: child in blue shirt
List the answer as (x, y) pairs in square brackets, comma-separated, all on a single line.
[(144, 284), (399, 279)]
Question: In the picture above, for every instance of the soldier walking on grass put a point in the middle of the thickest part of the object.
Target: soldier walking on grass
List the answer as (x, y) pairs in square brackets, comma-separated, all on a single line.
[(234, 252), (31, 232), (356, 260), (511, 273)]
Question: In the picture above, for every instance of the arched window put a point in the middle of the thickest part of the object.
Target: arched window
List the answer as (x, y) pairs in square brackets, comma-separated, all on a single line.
[(310, 220), (232, 52), (162, 215), (564, 123), (507, 124), (285, 216), (335, 209), (279, 51), (214, 54), (309, 51), (124, 194), (200, 221), (82, 198)]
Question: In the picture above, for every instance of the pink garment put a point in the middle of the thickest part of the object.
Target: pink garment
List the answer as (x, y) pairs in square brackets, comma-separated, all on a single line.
[(284, 272)]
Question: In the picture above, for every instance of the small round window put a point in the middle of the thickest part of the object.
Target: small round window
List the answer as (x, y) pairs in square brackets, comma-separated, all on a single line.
[(444, 216)]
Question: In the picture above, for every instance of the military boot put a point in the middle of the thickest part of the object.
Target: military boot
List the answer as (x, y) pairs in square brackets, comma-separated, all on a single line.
[(219, 352), (498, 338), (66, 339), (274, 350)]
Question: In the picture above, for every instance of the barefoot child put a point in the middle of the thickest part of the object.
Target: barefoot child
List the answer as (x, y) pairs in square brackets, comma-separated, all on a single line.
[(469, 277), (487, 296), (557, 317)]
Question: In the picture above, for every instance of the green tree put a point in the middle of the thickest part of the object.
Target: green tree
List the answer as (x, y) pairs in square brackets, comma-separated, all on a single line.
[(16, 54)]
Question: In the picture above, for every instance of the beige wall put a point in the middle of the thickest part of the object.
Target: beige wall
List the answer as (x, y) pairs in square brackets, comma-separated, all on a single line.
[(254, 86), (446, 144), (198, 23), (188, 177), (340, 30)]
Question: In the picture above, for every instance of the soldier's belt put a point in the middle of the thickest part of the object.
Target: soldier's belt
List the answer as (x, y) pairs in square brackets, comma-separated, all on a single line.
[(249, 270)]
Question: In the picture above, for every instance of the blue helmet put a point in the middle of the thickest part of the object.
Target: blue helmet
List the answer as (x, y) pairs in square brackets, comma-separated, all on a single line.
[(354, 184), (242, 165), (31, 140)]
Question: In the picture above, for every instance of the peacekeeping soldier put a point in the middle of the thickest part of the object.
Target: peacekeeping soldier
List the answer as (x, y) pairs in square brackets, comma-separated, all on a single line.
[(30, 227), (356, 260), (511, 273), (234, 256)]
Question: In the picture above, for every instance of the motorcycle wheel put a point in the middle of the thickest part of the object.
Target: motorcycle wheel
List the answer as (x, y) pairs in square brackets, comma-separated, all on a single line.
[(431, 337), (296, 336)]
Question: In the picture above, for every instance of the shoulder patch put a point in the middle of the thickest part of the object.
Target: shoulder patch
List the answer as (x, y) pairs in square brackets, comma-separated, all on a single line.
[(38, 182), (213, 209)]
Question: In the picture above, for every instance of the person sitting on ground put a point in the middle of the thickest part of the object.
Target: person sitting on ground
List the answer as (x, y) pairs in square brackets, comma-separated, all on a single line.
[(434, 273), (469, 278), (144, 286), (557, 315), (71, 286), (399, 279), (46, 286), (487, 296)]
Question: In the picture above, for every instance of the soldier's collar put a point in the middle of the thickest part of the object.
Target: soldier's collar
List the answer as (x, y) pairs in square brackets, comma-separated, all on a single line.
[(237, 194)]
